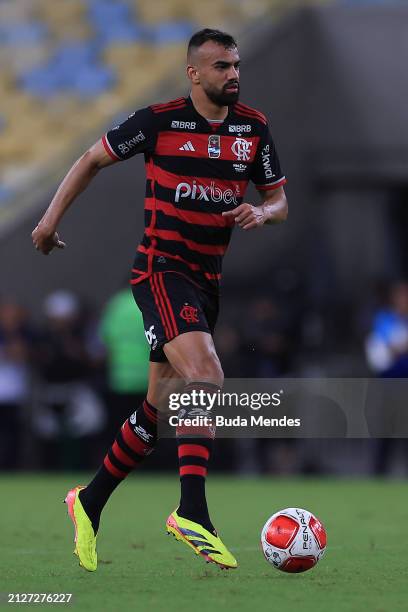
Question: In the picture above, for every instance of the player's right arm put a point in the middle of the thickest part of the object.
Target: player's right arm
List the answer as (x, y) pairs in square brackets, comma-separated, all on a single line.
[(45, 236), (137, 134)]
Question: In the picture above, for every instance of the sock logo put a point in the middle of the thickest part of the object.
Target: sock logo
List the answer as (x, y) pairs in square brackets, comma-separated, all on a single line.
[(143, 434), (197, 412), (132, 418)]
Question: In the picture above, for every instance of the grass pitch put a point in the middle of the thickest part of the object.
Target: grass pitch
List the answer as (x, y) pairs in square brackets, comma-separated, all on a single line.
[(141, 568)]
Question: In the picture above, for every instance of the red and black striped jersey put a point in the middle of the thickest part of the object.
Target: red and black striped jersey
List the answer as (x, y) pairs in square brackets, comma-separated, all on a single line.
[(195, 171)]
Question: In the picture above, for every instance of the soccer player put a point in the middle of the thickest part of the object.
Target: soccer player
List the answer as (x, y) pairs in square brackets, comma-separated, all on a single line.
[(200, 152)]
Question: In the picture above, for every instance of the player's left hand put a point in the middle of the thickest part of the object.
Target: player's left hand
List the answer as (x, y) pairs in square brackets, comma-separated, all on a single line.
[(246, 216)]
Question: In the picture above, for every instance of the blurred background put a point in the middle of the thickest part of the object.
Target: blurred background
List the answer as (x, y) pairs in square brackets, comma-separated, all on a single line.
[(323, 295)]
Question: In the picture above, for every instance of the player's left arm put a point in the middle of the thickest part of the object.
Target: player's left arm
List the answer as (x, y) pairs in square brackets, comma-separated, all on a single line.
[(274, 209)]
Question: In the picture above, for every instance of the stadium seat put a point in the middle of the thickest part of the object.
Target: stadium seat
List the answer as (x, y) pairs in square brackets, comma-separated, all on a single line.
[(90, 81), (121, 32), (76, 52), (44, 81), (5, 194), (170, 32), (22, 34), (162, 11)]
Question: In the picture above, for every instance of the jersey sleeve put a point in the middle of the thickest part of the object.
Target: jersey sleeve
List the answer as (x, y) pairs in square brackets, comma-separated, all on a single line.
[(266, 170), (135, 135)]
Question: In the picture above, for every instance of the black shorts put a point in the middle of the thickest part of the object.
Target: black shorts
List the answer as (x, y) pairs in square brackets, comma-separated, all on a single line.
[(171, 305)]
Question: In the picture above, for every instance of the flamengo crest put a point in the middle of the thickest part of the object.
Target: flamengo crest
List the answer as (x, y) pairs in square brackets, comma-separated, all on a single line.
[(189, 313), (242, 149)]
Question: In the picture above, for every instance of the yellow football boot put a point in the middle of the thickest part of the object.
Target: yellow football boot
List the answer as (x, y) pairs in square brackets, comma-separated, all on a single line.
[(203, 542), (85, 538)]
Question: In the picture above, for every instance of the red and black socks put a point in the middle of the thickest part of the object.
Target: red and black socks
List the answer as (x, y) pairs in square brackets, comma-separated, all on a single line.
[(135, 440), (195, 444)]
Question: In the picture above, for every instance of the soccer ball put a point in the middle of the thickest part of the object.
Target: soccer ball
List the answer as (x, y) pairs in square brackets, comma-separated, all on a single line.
[(293, 540)]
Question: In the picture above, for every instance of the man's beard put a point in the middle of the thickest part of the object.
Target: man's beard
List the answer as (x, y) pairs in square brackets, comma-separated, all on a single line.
[(223, 98)]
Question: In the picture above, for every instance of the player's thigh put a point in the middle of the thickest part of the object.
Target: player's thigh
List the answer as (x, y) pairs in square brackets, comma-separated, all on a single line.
[(194, 358)]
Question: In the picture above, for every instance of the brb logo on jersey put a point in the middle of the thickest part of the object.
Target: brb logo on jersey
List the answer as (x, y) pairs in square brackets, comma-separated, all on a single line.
[(207, 193), (184, 125), (239, 128), (242, 149)]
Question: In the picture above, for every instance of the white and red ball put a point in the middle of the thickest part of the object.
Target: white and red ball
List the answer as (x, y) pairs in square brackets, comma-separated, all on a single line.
[(293, 540)]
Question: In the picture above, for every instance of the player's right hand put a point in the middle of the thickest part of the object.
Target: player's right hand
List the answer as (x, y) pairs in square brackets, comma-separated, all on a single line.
[(45, 240)]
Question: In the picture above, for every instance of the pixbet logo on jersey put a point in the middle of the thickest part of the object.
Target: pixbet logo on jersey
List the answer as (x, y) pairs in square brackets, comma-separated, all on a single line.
[(207, 193)]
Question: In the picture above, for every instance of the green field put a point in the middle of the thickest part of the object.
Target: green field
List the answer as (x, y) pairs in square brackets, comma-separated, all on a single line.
[(365, 567)]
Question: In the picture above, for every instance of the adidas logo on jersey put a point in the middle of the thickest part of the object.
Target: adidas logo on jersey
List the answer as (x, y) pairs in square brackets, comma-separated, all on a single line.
[(188, 146)]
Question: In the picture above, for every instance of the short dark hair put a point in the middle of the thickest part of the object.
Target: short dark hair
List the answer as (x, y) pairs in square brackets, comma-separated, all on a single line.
[(201, 37)]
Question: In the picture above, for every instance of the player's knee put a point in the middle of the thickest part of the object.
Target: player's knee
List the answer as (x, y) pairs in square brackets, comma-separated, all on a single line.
[(207, 369)]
